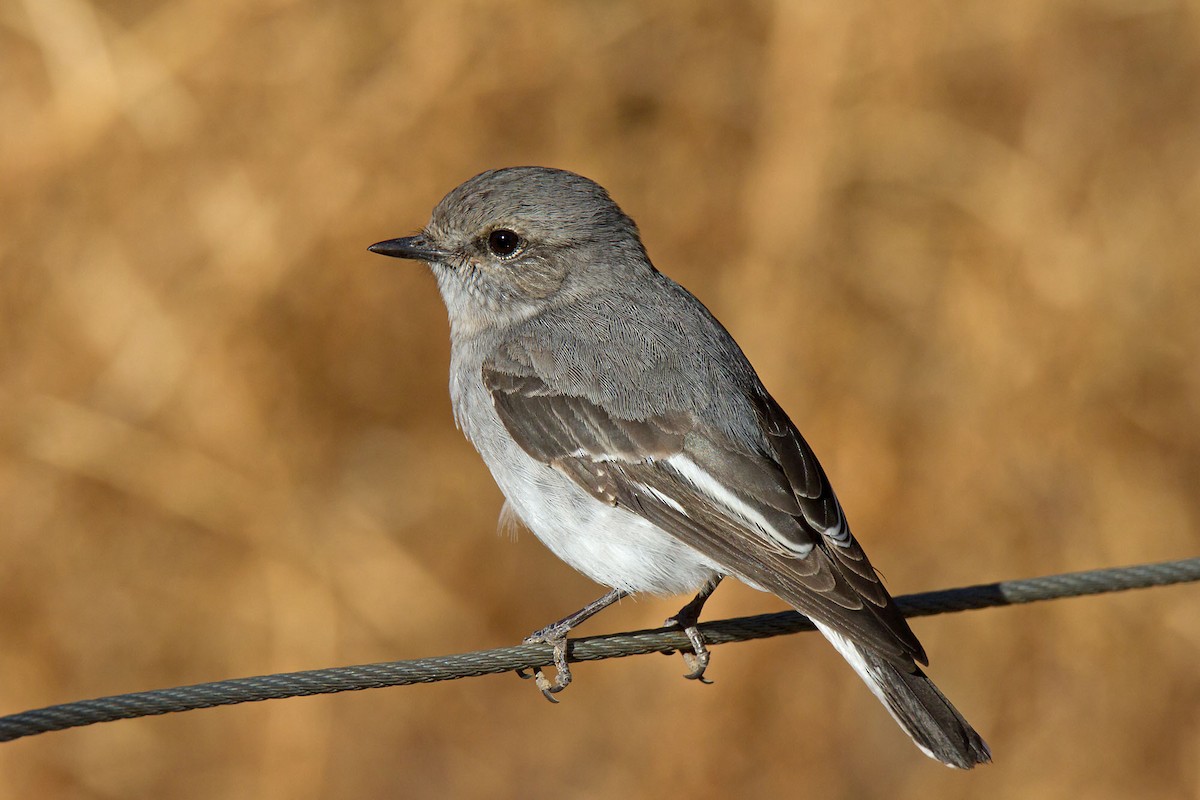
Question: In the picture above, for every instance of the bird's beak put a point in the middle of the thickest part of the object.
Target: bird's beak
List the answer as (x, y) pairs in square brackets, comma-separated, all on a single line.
[(418, 248)]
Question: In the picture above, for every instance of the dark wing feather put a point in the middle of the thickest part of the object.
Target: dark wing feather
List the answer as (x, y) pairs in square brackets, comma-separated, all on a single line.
[(821, 510), (805, 554)]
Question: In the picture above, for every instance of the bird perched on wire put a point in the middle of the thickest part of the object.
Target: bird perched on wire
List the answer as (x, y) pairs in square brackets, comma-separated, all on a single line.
[(631, 435)]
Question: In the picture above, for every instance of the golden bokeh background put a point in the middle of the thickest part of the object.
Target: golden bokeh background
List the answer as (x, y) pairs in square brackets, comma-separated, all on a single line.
[(960, 241)]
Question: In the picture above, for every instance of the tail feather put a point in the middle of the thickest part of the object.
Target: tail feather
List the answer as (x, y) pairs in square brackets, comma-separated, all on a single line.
[(917, 705)]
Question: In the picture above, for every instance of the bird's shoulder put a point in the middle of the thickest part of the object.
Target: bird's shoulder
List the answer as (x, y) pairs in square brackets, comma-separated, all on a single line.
[(640, 349)]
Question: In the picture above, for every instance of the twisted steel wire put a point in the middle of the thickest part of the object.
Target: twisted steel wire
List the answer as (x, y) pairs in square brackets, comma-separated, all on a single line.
[(593, 648)]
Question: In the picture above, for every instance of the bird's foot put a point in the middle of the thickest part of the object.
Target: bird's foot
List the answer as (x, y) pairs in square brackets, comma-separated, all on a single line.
[(697, 659), (555, 636)]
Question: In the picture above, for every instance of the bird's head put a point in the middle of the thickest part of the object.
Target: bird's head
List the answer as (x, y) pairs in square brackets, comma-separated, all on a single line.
[(509, 242)]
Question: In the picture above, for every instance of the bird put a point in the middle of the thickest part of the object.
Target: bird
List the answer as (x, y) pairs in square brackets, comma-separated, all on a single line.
[(629, 432)]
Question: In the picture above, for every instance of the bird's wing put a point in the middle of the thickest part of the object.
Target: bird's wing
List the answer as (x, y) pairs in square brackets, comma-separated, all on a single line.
[(769, 517)]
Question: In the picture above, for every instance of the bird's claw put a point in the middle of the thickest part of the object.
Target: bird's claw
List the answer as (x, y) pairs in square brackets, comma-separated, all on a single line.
[(697, 663), (697, 659), (562, 671)]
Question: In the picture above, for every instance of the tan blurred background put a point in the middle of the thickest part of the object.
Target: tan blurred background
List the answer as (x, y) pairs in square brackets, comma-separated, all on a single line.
[(959, 240)]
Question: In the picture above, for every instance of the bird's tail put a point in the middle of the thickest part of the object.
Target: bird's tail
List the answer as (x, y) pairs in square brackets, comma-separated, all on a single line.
[(913, 701)]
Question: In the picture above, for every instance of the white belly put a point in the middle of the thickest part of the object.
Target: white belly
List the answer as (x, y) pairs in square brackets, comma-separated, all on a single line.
[(610, 545)]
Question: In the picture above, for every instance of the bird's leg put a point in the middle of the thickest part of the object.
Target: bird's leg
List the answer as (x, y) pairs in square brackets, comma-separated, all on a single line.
[(688, 616), (555, 635)]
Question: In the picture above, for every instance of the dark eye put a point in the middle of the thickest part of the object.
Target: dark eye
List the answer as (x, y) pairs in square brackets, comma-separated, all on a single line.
[(503, 242)]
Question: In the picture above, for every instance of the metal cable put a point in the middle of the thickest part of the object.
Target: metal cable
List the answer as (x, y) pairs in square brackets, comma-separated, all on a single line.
[(593, 648)]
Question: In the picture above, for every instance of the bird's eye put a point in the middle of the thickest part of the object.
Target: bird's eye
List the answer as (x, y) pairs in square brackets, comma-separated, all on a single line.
[(503, 242)]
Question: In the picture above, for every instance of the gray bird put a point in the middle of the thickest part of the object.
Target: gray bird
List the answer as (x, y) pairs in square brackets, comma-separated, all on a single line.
[(630, 434)]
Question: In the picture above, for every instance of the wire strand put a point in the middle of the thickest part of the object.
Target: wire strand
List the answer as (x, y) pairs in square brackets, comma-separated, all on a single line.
[(593, 648)]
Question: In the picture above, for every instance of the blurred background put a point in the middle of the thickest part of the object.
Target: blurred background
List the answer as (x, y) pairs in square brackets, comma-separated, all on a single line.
[(958, 240)]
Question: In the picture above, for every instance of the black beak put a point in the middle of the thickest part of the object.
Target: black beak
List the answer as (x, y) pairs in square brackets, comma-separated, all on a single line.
[(416, 247)]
